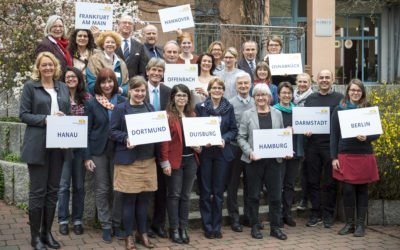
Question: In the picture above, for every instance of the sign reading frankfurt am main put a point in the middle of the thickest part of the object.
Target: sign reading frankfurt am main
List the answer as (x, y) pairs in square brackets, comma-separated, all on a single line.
[(66, 131), (285, 64), (363, 121), (176, 17), (93, 14)]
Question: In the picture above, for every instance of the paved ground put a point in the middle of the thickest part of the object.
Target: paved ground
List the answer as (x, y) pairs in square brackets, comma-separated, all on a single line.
[(14, 234)]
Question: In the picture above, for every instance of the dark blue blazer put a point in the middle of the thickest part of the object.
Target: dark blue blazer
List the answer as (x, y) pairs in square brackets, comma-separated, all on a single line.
[(98, 125), (118, 133), (228, 127)]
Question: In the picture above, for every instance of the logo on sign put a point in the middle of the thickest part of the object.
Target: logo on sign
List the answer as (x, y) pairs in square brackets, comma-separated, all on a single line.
[(324, 111), (213, 121)]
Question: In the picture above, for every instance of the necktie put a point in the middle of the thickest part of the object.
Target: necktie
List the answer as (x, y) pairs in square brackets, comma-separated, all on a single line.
[(155, 52), (156, 100), (251, 66), (126, 49)]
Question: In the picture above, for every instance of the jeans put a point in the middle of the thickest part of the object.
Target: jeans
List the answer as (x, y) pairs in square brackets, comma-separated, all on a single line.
[(109, 214), (318, 162), (75, 171), (213, 170), (179, 187), (44, 180), (267, 172), (289, 171)]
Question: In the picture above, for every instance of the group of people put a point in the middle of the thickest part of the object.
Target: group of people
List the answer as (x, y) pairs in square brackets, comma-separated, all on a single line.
[(107, 75)]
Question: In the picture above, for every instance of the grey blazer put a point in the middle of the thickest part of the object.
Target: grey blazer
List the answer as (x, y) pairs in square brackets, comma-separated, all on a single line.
[(35, 107), (248, 123)]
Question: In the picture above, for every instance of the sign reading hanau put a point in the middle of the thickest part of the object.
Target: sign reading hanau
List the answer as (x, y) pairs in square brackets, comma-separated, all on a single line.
[(200, 131), (272, 143), (93, 14), (181, 74), (362, 121), (176, 17), (285, 64), (150, 127), (66, 131), (311, 119)]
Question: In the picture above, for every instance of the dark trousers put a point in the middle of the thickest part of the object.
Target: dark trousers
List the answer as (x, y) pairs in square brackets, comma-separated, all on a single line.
[(267, 172), (289, 171), (304, 179), (135, 211), (319, 163), (179, 186), (108, 202), (355, 195), (237, 167), (160, 200), (213, 170), (45, 180)]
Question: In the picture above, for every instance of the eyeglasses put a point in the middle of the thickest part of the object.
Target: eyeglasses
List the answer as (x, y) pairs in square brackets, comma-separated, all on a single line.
[(181, 95), (217, 88), (286, 93), (324, 77), (261, 95), (274, 45), (229, 57), (355, 90), (71, 77)]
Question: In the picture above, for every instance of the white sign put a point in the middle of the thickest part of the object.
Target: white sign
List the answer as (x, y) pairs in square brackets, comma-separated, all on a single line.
[(66, 131), (176, 17), (200, 131), (363, 121), (323, 27), (150, 127), (181, 74), (285, 64), (93, 14), (272, 143), (311, 119)]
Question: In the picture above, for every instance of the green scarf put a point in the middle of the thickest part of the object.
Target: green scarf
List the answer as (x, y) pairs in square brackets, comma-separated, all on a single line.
[(278, 106)]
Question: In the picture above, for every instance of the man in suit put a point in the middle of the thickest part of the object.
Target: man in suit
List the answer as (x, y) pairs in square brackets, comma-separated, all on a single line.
[(131, 51), (158, 95), (248, 62), (171, 51), (150, 34)]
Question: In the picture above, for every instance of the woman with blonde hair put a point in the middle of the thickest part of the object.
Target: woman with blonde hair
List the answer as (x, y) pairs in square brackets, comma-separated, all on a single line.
[(217, 50), (43, 96)]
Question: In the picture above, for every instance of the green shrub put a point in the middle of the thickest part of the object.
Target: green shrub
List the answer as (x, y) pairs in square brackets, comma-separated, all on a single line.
[(387, 147), (1, 184)]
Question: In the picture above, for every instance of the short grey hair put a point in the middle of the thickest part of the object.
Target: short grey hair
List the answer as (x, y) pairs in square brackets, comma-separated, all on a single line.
[(242, 74), (261, 88), (156, 62), (171, 42), (50, 22)]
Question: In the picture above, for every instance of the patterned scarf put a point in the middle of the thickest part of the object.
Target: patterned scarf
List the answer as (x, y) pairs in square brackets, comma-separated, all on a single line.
[(300, 98), (223, 107), (278, 106), (104, 102)]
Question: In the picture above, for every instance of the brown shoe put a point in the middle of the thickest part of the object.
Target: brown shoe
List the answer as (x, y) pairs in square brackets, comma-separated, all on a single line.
[(130, 243), (144, 240)]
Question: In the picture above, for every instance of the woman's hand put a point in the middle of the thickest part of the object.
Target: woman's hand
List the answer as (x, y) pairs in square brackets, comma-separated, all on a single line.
[(253, 157), (336, 165), (89, 165), (222, 144), (59, 113), (308, 134), (167, 171), (361, 137), (178, 32), (129, 145), (201, 91), (208, 145), (197, 149), (95, 31)]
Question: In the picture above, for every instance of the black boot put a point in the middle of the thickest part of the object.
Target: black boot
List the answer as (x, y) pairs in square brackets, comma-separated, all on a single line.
[(47, 237), (35, 220), (349, 227), (174, 236), (360, 227)]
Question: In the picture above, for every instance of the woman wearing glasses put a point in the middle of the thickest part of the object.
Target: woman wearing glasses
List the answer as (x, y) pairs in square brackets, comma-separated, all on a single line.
[(214, 159)]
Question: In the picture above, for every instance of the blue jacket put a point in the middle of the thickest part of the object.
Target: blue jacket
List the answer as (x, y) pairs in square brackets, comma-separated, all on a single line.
[(228, 127), (118, 133)]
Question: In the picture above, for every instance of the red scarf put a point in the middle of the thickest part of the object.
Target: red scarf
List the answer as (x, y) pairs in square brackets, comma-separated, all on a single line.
[(63, 44)]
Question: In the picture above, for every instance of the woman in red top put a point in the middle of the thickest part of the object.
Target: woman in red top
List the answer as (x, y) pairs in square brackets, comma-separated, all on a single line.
[(179, 164)]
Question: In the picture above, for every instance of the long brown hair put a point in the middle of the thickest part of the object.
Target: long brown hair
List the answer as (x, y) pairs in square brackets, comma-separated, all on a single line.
[(171, 108), (363, 100)]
